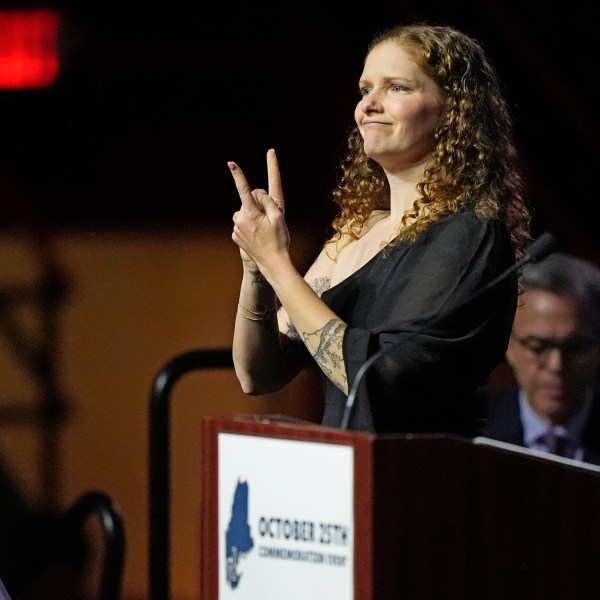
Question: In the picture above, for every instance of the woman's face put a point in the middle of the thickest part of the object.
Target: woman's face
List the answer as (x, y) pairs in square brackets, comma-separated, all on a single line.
[(399, 110)]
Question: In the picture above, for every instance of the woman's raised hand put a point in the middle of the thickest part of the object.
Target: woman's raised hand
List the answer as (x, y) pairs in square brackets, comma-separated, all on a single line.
[(259, 227)]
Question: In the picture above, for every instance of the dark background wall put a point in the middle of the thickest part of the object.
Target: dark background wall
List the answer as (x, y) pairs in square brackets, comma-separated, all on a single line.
[(154, 98)]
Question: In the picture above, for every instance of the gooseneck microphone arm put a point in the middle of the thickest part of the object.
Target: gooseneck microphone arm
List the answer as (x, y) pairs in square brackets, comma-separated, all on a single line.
[(537, 250)]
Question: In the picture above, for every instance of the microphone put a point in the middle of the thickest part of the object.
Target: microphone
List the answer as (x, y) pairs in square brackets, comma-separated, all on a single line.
[(537, 250)]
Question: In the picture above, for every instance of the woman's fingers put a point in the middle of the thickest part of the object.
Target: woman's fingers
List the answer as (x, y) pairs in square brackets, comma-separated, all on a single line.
[(244, 191), (271, 208), (274, 177), (252, 198)]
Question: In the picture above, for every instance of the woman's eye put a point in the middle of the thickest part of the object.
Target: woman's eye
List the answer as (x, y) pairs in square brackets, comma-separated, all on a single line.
[(398, 88), (364, 91)]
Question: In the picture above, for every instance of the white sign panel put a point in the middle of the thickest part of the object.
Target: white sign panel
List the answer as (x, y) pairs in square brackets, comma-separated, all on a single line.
[(286, 519)]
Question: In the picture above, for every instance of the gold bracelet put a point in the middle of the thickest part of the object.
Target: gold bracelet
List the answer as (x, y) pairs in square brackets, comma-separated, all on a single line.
[(253, 318), (260, 313)]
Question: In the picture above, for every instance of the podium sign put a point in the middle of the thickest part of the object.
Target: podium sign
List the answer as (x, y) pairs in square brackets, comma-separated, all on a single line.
[(285, 519)]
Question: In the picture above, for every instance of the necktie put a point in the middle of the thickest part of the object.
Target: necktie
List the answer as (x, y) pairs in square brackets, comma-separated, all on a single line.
[(555, 443)]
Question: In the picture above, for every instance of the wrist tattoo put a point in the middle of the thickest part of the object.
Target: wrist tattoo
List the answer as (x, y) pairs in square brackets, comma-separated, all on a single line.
[(292, 332), (257, 276)]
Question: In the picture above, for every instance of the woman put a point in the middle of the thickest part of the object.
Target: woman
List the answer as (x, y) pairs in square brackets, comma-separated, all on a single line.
[(430, 211)]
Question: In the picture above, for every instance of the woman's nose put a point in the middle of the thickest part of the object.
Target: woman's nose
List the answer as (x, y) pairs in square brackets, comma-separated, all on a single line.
[(371, 103)]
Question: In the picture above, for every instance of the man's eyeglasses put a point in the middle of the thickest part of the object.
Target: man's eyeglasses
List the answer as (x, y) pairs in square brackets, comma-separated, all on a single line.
[(540, 348)]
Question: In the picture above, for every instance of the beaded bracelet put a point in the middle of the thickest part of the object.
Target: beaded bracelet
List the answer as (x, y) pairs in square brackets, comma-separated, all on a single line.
[(260, 315)]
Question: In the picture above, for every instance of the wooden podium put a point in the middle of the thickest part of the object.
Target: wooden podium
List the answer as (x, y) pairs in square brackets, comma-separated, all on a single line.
[(438, 517)]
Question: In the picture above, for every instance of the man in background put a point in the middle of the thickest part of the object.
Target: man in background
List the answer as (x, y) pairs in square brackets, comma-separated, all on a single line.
[(554, 354)]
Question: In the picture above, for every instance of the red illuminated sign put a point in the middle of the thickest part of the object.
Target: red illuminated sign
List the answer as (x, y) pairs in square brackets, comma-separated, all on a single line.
[(28, 48)]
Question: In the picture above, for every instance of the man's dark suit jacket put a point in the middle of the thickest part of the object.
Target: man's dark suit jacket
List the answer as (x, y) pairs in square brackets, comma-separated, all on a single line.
[(504, 423)]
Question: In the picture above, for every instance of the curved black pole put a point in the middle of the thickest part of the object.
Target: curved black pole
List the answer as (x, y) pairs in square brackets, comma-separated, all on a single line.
[(160, 457), (99, 504)]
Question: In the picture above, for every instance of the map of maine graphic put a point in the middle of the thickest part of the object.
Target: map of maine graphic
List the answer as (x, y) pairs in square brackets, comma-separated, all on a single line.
[(238, 541)]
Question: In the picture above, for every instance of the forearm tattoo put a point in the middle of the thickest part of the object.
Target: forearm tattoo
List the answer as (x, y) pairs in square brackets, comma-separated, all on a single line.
[(328, 354)]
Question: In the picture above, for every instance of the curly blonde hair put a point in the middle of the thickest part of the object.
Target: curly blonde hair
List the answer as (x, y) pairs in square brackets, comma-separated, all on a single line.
[(474, 159)]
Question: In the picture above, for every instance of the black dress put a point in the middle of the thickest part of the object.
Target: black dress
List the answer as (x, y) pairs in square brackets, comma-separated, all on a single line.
[(423, 303)]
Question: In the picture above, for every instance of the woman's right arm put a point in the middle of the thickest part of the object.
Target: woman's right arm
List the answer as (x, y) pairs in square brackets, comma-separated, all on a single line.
[(267, 353)]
